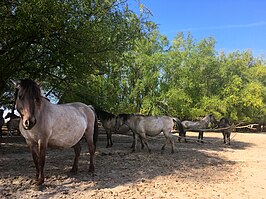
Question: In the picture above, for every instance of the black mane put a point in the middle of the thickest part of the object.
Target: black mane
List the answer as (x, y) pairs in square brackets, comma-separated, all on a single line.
[(103, 115), (124, 116), (30, 87)]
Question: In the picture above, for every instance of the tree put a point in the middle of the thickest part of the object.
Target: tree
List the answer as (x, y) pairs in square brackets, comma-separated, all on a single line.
[(61, 42)]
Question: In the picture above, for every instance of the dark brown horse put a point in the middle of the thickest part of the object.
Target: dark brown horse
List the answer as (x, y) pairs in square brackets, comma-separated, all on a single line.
[(224, 123), (108, 121), (45, 124), (13, 123)]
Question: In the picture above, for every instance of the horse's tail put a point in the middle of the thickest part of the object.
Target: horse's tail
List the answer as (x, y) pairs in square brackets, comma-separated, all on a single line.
[(182, 132), (95, 133)]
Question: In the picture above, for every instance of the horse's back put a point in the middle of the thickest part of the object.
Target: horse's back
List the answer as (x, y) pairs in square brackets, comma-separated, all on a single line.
[(74, 114), (71, 122), (152, 125), (190, 124)]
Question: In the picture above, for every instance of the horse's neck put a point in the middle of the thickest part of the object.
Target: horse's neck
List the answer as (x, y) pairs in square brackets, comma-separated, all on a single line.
[(206, 120), (45, 106)]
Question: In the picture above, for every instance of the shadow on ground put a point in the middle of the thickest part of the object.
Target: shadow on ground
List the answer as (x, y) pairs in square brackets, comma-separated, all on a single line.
[(113, 166)]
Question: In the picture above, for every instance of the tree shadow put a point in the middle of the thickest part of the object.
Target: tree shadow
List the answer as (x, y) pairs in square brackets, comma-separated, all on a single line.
[(113, 166)]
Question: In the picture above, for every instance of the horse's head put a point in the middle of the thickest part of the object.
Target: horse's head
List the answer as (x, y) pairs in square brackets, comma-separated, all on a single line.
[(28, 99), (120, 121), (213, 121), (224, 122)]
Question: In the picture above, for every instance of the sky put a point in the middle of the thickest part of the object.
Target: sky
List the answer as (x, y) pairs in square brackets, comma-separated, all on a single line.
[(234, 24)]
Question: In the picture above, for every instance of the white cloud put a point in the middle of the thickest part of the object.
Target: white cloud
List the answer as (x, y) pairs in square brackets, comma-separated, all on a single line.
[(248, 25)]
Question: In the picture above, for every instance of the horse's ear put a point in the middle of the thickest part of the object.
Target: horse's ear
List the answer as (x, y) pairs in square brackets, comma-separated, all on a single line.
[(16, 83), (39, 83)]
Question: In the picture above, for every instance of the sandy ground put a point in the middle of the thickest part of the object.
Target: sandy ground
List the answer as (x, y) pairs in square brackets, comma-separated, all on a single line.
[(209, 170)]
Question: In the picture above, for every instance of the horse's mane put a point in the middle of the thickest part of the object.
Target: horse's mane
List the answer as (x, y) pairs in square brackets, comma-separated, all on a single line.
[(31, 87), (124, 116), (101, 114)]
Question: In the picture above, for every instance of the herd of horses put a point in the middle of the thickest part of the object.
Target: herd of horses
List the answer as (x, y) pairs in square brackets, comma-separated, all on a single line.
[(44, 124)]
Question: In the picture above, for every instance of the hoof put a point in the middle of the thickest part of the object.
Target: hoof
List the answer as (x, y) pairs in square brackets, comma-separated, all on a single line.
[(39, 183), (91, 169), (73, 172)]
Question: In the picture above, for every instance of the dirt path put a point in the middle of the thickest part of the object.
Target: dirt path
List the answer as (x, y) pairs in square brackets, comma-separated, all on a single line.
[(210, 170)]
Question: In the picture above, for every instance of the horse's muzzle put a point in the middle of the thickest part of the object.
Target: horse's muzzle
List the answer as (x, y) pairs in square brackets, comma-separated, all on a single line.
[(28, 124)]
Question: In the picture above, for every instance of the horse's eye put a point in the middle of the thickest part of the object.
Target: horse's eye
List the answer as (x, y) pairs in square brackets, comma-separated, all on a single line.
[(20, 97)]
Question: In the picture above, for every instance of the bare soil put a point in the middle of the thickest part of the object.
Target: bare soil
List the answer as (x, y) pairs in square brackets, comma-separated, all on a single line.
[(209, 170)]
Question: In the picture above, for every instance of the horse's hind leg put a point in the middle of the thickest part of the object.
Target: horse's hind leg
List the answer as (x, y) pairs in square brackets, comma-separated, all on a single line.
[(146, 143), (144, 140), (169, 138), (77, 150), (141, 142), (224, 136), (134, 143), (228, 137), (198, 137), (91, 146)]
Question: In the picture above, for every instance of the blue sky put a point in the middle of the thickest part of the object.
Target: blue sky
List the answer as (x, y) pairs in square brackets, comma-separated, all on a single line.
[(234, 24)]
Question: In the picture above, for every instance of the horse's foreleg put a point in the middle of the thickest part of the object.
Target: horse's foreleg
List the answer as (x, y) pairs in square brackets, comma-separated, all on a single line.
[(198, 137), (34, 152), (109, 139), (77, 150), (201, 136), (41, 162), (134, 140)]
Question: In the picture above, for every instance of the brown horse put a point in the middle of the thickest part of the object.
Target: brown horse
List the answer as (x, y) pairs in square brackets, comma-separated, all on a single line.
[(108, 121), (12, 124), (2, 121), (45, 124)]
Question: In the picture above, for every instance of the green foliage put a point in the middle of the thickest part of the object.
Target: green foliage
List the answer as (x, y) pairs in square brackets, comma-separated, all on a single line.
[(101, 53), (61, 42)]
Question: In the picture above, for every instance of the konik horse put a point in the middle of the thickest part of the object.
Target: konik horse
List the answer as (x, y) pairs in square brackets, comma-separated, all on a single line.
[(201, 124), (108, 121), (45, 124), (224, 123), (150, 126)]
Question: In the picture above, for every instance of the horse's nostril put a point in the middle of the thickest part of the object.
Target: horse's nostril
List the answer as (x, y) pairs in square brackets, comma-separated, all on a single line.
[(27, 123)]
